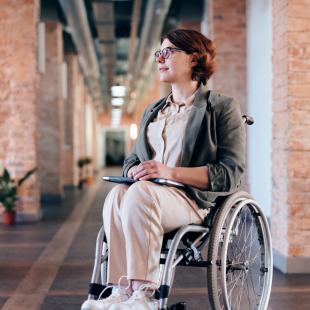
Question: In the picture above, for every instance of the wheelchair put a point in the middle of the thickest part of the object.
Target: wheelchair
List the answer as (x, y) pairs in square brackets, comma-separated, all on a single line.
[(239, 262)]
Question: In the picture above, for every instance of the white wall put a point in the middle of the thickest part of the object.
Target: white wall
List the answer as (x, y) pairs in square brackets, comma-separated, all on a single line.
[(88, 130), (100, 143), (259, 89)]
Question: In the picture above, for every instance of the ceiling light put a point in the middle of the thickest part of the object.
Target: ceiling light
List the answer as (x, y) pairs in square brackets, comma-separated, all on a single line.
[(116, 112), (118, 91), (117, 101)]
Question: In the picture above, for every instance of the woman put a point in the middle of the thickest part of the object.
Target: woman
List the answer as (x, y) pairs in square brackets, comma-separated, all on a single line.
[(192, 136)]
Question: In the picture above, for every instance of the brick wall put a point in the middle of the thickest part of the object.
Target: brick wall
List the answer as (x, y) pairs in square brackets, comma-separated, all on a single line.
[(81, 118), (51, 113), (68, 162), (228, 31), (290, 219), (18, 104)]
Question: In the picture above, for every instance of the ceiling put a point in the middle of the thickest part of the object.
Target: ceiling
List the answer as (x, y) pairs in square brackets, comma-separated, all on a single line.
[(118, 45)]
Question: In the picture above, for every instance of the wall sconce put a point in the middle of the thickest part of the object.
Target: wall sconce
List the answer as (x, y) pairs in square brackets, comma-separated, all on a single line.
[(133, 131)]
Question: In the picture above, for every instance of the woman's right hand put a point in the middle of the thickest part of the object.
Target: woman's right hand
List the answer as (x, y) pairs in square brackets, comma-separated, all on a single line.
[(131, 171)]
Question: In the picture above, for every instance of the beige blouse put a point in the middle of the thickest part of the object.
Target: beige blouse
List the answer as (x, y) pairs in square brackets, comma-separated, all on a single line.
[(165, 137), (165, 134)]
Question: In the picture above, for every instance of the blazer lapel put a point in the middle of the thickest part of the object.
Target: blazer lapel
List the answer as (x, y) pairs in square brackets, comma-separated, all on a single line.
[(144, 145), (194, 121)]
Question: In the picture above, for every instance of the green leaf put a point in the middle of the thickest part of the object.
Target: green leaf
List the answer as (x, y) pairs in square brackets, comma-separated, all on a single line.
[(80, 163), (27, 175), (87, 160), (6, 176)]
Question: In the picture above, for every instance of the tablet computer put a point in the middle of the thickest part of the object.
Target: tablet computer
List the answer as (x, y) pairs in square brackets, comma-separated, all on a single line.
[(130, 181)]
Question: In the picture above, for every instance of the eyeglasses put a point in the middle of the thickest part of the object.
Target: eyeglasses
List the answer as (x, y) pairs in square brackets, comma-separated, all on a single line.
[(165, 52)]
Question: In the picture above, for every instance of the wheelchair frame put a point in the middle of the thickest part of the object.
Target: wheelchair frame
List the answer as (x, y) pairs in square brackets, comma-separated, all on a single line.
[(195, 238)]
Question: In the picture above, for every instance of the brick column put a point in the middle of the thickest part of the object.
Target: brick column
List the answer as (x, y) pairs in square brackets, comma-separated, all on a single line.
[(69, 162), (81, 119), (290, 219), (18, 104), (51, 115), (226, 25)]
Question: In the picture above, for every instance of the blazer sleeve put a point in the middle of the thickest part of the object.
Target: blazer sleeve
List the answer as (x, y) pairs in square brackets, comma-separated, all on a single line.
[(225, 174), (132, 158)]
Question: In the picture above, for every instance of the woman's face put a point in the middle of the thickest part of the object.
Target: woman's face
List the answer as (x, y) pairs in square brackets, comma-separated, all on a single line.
[(177, 68)]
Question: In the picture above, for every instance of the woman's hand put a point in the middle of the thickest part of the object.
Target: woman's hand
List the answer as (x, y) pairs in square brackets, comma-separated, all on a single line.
[(152, 169), (131, 171)]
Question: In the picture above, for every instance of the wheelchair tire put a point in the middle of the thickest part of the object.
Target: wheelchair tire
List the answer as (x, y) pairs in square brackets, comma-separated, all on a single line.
[(240, 240)]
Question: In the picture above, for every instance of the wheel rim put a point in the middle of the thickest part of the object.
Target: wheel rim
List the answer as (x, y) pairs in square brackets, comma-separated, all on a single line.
[(244, 282)]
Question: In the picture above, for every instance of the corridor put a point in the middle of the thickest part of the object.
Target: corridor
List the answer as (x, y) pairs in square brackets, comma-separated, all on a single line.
[(84, 89)]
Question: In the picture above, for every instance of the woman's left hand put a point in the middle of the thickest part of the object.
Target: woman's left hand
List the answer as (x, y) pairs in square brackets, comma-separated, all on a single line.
[(152, 169)]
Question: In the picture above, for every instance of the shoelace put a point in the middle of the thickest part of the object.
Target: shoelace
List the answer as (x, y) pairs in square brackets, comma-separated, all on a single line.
[(146, 286), (142, 288), (119, 286)]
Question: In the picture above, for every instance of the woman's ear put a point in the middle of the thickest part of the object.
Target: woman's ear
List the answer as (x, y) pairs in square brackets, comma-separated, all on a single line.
[(194, 59)]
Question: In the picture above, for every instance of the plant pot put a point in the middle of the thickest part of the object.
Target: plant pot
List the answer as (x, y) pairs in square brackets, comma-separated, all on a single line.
[(9, 217), (89, 180)]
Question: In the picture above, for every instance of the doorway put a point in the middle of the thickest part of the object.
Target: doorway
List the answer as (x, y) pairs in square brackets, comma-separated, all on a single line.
[(115, 148)]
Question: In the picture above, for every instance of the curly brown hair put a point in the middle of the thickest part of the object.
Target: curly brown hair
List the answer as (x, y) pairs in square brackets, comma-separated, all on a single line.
[(200, 46)]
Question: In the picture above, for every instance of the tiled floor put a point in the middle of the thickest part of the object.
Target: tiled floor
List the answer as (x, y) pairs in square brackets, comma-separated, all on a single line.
[(48, 265)]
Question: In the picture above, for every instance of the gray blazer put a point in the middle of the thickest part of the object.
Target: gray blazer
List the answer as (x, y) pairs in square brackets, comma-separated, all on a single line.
[(214, 137)]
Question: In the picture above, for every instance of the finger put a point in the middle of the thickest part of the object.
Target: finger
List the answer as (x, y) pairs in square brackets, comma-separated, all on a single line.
[(146, 163), (143, 173), (148, 177), (141, 167), (137, 170)]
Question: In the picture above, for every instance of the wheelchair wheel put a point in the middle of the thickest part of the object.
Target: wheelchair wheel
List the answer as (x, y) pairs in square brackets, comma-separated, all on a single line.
[(240, 247)]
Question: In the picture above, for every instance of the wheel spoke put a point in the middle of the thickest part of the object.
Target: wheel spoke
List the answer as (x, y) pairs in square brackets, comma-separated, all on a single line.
[(243, 259), (239, 294), (234, 280), (247, 293)]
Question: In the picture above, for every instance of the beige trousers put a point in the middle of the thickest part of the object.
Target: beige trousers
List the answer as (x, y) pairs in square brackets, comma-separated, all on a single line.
[(135, 219)]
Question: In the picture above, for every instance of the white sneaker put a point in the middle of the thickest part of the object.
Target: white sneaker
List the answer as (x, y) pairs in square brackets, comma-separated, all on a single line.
[(138, 301), (118, 295)]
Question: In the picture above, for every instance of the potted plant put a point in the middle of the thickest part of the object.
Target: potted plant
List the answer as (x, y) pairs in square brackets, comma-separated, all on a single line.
[(81, 163), (8, 195), (89, 179)]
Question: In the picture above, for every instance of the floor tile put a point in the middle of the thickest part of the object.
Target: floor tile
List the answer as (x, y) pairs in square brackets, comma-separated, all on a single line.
[(62, 302), (26, 238), (290, 301), (11, 277), (17, 254), (3, 300), (73, 278)]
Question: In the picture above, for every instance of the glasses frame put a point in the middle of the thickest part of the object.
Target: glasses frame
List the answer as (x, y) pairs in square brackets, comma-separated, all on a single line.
[(169, 48)]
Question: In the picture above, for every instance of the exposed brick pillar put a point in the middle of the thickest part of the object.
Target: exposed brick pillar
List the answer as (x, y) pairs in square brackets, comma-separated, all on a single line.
[(229, 35), (18, 104), (226, 23), (51, 115), (290, 218), (69, 162), (81, 118)]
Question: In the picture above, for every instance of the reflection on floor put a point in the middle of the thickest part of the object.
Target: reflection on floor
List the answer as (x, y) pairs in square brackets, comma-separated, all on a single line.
[(48, 265)]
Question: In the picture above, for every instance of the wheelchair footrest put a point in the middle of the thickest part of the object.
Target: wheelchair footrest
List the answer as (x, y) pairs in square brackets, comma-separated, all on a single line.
[(95, 289), (178, 306)]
